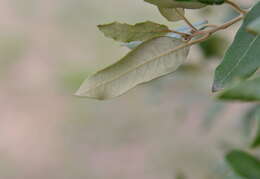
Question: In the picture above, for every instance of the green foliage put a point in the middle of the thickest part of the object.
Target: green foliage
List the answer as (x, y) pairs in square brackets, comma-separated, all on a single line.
[(176, 4), (251, 125), (127, 33), (244, 91), (209, 2), (212, 1), (244, 164), (256, 141), (240, 60), (248, 119), (214, 47), (150, 60), (254, 27)]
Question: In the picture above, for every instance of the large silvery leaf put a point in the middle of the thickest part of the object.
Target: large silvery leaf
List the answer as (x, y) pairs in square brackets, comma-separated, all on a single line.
[(242, 58), (138, 32), (176, 4), (254, 27), (172, 14), (245, 91), (244, 164), (152, 59)]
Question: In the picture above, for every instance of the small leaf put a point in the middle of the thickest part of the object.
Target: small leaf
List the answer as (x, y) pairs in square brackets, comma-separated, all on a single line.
[(138, 32), (152, 59), (172, 14), (244, 164), (244, 91), (183, 29), (254, 27), (242, 58), (176, 4)]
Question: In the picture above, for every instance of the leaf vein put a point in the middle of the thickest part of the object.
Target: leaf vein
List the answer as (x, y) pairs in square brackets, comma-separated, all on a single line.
[(239, 60), (140, 65)]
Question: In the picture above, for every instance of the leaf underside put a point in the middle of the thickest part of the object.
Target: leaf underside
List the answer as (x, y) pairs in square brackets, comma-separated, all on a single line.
[(152, 59)]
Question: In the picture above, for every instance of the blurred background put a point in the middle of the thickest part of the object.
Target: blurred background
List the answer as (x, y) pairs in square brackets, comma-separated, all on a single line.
[(172, 128)]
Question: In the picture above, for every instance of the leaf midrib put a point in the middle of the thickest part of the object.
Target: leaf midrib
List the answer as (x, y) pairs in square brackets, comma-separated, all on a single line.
[(138, 66), (240, 60)]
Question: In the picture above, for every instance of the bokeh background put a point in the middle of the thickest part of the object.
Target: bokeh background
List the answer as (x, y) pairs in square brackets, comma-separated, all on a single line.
[(172, 128)]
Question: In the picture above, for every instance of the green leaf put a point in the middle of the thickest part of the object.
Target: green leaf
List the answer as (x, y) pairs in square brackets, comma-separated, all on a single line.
[(138, 32), (244, 164), (248, 120), (172, 14), (242, 58), (152, 59), (176, 4), (254, 27), (214, 47), (244, 91), (251, 125), (209, 2), (256, 141)]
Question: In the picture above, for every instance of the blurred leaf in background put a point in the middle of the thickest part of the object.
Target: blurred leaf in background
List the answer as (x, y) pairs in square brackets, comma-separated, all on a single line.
[(254, 27), (13, 47), (244, 91), (244, 164), (212, 115), (215, 46)]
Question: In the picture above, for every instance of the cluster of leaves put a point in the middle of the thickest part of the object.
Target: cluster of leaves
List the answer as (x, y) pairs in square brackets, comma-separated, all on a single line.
[(157, 50)]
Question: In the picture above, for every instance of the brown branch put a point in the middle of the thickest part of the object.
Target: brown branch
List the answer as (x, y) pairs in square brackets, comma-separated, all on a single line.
[(183, 34), (186, 20), (236, 7), (218, 28), (207, 33)]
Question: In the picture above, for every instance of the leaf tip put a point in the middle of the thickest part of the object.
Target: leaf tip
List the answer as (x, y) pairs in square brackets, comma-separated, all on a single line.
[(81, 94), (232, 154), (78, 93), (216, 87)]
